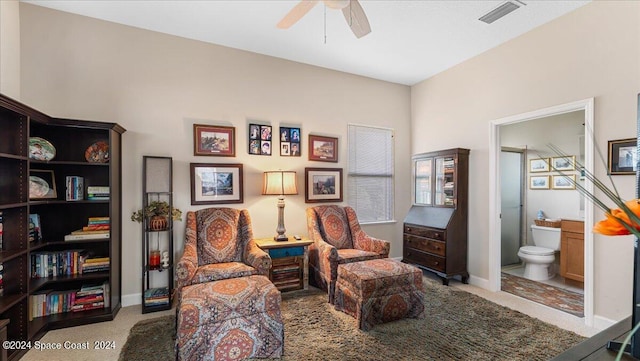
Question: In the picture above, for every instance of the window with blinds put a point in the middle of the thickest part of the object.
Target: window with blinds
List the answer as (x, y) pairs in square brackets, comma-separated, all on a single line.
[(370, 173)]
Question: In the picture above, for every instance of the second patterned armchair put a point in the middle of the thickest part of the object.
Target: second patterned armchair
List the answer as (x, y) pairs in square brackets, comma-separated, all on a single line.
[(219, 245), (338, 239)]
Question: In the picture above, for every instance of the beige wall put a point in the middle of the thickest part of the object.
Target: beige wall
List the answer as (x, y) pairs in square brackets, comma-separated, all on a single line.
[(10, 48), (591, 52), (157, 86)]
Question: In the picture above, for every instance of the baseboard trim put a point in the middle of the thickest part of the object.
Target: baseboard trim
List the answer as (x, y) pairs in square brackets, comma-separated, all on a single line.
[(479, 282), (131, 300), (602, 323)]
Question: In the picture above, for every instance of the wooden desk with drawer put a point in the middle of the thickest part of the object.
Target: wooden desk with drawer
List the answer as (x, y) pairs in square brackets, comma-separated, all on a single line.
[(289, 262)]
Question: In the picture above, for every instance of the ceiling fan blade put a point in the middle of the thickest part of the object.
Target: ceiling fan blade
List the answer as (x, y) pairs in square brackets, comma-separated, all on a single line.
[(298, 11), (356, 18)]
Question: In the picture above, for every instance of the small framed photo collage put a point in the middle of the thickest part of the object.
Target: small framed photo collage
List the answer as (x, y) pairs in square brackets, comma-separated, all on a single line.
[(289, 142), (260, 139)]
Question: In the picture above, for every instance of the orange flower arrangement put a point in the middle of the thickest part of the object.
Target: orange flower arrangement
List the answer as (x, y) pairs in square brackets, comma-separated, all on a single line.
[(618, 222)]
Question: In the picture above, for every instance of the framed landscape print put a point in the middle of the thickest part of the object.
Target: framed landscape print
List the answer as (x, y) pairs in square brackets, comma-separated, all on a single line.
[(216, 183), (564, 181), (289, 142), (214, 140), (322, 185), (539, 182), (623, 156), (324, 149), (564, 162), (538, 165)]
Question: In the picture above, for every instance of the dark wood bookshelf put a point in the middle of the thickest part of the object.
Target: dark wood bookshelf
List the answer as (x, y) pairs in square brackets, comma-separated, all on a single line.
[(58, 217)]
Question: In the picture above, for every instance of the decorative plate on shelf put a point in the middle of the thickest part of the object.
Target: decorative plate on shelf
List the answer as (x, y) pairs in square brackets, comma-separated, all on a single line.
[(97, 152), (41, 149), (38, 187)]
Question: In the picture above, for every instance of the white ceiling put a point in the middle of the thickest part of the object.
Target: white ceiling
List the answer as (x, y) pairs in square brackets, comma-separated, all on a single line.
[(409, 40)]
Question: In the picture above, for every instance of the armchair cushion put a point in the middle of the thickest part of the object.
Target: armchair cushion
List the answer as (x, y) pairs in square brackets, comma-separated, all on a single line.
[(222, 271), (334, 226), (355, 255), (217, 232)]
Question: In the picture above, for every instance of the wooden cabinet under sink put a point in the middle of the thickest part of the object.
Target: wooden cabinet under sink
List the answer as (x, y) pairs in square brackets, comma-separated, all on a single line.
[(572, 250)]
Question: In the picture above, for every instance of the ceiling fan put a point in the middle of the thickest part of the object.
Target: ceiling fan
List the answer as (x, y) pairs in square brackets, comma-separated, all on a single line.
[(351, 9)]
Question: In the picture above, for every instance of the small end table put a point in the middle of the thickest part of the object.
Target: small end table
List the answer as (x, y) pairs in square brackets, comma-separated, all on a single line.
[(289, 262)]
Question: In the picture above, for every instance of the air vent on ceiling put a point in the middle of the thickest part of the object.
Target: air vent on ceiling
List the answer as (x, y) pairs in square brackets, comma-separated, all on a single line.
[(500, 11)]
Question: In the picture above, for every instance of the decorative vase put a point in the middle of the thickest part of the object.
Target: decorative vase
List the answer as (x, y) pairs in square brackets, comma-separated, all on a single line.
[(158, 223)]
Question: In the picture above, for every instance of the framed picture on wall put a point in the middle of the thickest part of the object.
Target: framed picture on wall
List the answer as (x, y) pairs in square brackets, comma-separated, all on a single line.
[(259, 139), (564, 162), (323, 149), (538, 165), (214, 140), (564, 181), (539, 182), (289, 142), (322, 185), (623, 156), (216, 183)]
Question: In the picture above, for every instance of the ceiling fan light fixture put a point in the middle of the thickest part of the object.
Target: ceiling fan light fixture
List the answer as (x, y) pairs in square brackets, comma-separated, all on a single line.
[(500, 11)]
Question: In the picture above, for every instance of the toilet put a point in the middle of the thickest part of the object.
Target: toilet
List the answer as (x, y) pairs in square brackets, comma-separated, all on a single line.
[(539, 259)]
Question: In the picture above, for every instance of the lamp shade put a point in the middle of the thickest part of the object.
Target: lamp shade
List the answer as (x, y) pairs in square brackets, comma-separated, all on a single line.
[(279, 183)]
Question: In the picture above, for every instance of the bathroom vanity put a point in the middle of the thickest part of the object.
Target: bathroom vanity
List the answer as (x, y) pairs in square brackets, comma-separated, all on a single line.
[(572, 249)]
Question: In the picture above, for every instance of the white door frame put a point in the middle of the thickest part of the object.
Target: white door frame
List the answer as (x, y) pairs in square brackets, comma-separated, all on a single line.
[(585, 105)]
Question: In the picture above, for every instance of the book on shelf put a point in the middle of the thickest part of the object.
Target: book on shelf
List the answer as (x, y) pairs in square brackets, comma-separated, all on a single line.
[(97, 220), (96, 227), (75, 188), (82, 231), (85, 236), (35, 231)]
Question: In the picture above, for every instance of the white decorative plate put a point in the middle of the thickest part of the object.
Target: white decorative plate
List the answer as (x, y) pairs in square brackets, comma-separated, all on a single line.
[(41, 149), (38, 187)]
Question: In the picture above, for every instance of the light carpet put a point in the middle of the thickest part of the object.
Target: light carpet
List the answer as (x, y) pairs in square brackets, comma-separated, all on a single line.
[(458, 326)]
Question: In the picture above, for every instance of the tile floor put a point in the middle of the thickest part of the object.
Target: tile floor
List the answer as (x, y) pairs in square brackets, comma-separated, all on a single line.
[(557, 281)]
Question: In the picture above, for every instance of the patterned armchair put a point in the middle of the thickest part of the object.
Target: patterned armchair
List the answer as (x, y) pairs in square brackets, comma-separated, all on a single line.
[(219, 245), (338, 239)]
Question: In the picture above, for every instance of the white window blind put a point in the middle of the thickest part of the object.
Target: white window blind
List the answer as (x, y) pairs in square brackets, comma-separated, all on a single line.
[(370, 176)]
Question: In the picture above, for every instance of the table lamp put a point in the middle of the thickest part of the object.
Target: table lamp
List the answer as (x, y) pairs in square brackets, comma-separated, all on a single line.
[(280, 183)]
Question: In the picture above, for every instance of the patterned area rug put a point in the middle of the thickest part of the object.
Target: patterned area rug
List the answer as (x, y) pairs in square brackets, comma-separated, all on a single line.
[(547, 295), (458, 326)]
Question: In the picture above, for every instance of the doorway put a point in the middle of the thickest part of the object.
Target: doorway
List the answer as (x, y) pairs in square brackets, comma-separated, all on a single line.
[(495, 197)]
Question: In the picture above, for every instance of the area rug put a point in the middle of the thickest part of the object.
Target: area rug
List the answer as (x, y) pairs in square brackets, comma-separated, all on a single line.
[(458, 326), (555, 297)]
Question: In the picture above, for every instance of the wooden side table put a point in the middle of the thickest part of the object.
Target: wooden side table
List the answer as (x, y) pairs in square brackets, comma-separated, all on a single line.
[(289, 262)]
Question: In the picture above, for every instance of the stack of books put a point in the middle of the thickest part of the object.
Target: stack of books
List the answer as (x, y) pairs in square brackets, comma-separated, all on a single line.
[(98, 193), (95, 264), (156, 296), (96, 228), (75, 188), (91, 297)]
